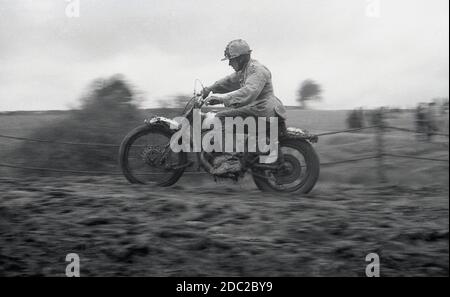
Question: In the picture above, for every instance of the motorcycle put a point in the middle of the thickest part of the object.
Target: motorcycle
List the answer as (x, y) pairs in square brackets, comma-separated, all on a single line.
[(145, 156)]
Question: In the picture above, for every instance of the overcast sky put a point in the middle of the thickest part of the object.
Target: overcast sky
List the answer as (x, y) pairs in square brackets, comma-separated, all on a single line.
[(362, 55)]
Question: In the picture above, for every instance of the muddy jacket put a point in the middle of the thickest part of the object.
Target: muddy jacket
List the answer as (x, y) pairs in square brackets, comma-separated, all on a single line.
[(250, 91)]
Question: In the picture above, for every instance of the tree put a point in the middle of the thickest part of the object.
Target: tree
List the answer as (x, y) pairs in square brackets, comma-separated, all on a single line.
[(309, 90), (113, 93), (108, 112)]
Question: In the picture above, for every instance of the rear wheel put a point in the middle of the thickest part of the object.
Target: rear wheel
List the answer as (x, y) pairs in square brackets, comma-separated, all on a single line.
[(299, 173), (145, 157)]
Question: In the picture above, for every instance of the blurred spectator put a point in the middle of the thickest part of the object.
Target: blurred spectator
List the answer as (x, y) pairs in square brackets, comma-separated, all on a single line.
[(355, 119), (378, 117), (428, 120), (431, 121), (444, 109), (421, 119)]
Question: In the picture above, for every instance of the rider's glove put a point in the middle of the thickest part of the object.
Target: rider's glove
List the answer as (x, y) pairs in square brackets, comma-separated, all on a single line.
[(206, 92), (216, 99)]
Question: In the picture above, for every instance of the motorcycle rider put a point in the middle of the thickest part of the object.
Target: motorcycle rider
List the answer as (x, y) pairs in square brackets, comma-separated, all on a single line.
[(248, 92)]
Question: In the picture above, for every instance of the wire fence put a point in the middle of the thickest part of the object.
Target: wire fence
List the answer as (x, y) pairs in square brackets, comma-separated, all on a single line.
[(58, 142), (347, 131), (380, 130)]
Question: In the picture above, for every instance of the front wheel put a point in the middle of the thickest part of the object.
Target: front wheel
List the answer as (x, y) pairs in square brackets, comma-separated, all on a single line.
[(145, 157), (299, 173)]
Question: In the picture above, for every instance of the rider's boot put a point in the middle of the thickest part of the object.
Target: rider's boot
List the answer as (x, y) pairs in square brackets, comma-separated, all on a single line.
[(226, 163)]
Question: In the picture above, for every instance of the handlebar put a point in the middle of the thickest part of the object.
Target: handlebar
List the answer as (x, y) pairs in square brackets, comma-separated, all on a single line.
[(198, 99)]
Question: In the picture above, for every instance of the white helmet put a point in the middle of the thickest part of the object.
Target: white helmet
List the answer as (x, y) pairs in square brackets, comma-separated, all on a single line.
[(236, 48)]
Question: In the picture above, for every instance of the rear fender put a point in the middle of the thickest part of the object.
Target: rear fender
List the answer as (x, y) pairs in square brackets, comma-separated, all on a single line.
[(297, 133)]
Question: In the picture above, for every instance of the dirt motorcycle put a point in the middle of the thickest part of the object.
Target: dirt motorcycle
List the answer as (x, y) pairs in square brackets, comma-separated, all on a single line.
[(145, 156)]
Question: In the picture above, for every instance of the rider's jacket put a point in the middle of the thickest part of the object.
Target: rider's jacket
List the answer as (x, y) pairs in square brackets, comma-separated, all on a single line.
[(251, 90)]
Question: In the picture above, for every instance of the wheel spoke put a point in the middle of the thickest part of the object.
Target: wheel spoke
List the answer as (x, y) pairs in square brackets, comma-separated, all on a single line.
[(294, 171), (149, 158)]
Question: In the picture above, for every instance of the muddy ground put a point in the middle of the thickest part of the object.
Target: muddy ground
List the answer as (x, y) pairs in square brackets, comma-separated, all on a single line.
[(224, 229)]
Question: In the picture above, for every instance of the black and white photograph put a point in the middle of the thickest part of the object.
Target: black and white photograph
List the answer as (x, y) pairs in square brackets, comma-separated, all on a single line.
[(244, 140)]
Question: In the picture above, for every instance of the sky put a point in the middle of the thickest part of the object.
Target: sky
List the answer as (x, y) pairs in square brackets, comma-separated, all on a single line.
[(364, 53)]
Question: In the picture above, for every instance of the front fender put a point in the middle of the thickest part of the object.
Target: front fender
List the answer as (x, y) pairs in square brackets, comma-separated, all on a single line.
[(171, 124)]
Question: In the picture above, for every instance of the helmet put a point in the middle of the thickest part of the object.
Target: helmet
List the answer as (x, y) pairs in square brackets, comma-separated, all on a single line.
[(236, 48)]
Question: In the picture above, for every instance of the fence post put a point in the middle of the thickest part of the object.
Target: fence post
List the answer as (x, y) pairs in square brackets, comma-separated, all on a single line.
[(380, 145)]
